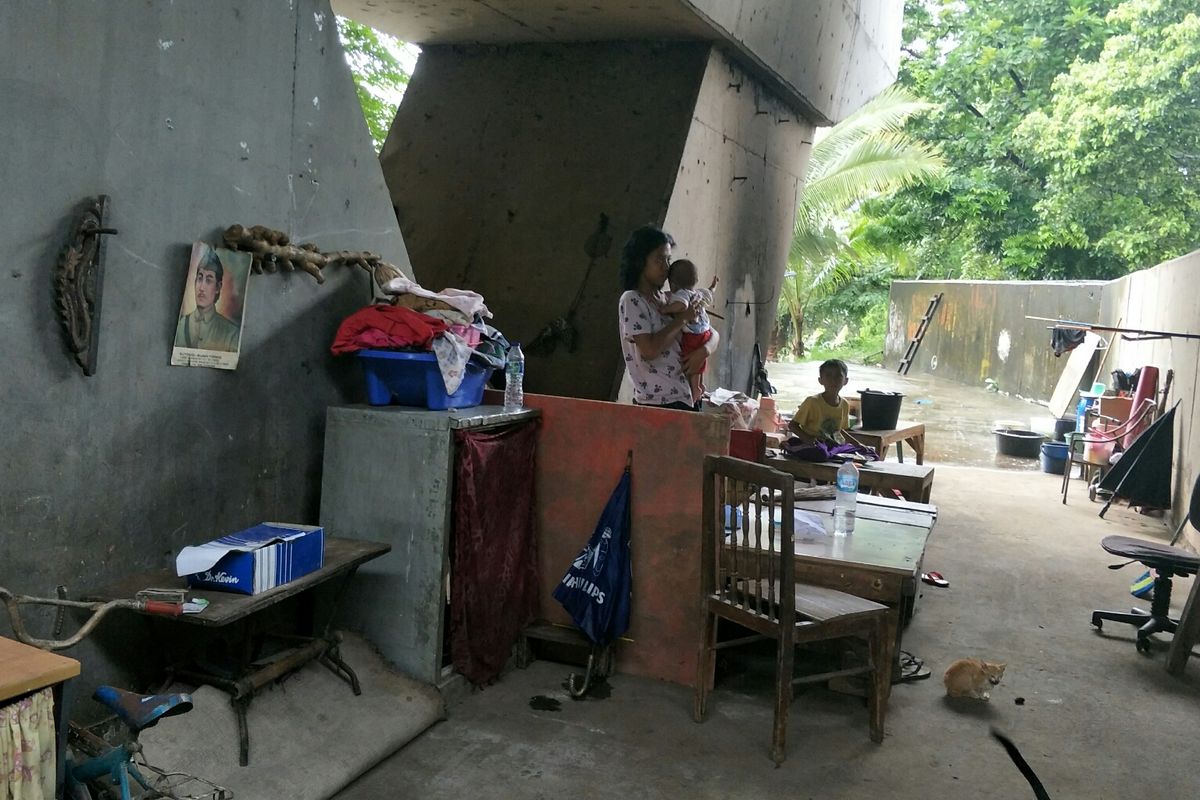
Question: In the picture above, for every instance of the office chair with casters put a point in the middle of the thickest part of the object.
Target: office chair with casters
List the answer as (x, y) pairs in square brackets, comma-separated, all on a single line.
[(1166, 562)]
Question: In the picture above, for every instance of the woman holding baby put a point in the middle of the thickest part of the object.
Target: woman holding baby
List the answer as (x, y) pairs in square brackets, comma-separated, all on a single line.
[(652, 326)]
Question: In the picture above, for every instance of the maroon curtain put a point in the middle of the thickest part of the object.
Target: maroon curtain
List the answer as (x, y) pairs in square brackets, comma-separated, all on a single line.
[(493, 578)]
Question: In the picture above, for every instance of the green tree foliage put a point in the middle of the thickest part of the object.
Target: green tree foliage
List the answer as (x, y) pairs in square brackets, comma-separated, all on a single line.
[(379, 77), (864, 156), (1120, 141), (1071, 130)]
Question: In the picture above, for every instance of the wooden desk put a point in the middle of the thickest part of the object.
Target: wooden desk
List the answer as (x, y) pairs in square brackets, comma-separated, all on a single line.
[(880, 561), (342, 559), (914, 482), (25, 669), (911, 433)]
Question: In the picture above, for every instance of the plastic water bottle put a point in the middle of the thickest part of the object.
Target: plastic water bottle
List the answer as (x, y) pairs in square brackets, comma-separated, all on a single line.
[(846, 499), (514, 378)]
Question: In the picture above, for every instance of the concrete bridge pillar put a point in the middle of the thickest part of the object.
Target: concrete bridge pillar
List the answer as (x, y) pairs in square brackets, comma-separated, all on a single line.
[(530, 143)]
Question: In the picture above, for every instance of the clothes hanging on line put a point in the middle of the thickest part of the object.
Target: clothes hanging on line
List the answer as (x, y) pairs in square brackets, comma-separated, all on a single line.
[(1064, 340)]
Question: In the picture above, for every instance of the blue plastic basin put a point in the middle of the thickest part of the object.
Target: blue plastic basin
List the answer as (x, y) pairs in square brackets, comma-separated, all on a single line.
[(413, 379)]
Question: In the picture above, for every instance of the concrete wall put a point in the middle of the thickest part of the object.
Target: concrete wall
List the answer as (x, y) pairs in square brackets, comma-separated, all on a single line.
[(834, 54), (1164, 299), (502, 162), (980, 330), (734, 201), (191, 116), (967, 337), (826, 58)]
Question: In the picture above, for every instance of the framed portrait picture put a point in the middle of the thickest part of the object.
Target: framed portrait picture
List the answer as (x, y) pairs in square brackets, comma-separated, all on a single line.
[(209, 330)]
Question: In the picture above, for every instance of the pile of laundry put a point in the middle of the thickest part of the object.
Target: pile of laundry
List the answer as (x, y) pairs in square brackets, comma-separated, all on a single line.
[(451, 323)]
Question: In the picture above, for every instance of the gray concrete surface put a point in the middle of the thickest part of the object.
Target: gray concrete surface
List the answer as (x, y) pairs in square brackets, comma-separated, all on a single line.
[(309, 732), (191, 117), (979, 330), (828, 57), (520, 171), (1163, 299), (1025, 572)]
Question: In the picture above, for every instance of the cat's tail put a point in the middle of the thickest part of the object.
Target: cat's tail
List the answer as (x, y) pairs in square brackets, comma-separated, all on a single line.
[(1039, 791)]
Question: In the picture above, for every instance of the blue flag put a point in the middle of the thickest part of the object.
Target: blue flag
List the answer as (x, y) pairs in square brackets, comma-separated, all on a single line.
[(596, 589)]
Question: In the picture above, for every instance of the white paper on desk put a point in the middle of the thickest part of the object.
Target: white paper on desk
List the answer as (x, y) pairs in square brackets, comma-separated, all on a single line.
[(808, 523)]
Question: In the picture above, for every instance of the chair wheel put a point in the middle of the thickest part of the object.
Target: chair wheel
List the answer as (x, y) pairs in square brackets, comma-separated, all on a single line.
[(1143, 645), (1098, 623)]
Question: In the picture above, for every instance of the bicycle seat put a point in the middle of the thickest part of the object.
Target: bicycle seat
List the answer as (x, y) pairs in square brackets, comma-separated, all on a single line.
[(140, 711)]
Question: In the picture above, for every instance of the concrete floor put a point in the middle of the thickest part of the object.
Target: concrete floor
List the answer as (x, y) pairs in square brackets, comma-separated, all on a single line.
[(1025, 572)]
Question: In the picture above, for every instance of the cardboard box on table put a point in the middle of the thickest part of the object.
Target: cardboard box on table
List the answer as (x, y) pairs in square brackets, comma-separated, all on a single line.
[(254, 560)]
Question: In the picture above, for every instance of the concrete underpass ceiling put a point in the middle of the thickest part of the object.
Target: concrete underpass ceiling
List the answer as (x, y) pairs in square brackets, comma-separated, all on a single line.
[(522, 21)]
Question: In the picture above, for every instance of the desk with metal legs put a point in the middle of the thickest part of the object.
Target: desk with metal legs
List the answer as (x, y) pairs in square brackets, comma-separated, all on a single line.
[(246, 677)]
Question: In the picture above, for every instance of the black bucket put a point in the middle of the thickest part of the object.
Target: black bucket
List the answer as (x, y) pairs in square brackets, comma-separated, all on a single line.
[(880, 410), (1063, 426), (1023, 444)]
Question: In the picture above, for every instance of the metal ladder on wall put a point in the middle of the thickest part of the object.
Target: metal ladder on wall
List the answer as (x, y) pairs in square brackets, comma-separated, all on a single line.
[(914, 344)]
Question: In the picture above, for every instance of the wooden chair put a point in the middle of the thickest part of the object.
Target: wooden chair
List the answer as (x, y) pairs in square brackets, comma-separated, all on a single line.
[(1076, 442), (747, 577)]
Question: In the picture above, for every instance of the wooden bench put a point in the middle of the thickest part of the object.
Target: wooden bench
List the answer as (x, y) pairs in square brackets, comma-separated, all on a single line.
[(915, 482), (910, 433)]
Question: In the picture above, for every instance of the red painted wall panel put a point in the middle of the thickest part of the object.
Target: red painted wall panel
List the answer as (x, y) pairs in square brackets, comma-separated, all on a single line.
[(581, 452)]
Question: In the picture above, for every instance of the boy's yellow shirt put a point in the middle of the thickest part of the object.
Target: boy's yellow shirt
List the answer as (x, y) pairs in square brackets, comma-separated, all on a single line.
[(821, 420)]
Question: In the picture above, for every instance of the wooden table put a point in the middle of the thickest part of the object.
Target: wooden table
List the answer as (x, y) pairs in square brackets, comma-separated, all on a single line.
[(25, 669), (911, 433), (880, 561), (914, 482), (342, 559)]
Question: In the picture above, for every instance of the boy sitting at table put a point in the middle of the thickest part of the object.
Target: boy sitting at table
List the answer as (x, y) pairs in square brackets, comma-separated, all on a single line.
[(822, 417)]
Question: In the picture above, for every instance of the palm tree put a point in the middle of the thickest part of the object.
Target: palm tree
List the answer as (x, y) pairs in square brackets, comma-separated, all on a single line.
[(864, 156)]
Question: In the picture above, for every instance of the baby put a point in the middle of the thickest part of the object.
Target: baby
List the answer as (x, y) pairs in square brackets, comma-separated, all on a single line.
[(684, 294), (822, 417)]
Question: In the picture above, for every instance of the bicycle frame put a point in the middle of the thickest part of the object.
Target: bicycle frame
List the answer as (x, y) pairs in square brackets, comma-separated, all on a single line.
[(99, 610), (115, 762)]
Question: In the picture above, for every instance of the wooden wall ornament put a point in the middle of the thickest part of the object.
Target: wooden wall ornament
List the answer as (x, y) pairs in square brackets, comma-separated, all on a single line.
[(78, 280), (272, 250)]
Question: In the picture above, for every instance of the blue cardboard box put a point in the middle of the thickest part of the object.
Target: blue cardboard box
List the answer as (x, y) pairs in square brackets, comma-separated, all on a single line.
[(254, 560)]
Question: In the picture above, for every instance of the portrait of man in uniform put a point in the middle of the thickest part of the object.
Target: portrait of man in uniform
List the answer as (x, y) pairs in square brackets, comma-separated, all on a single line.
[(209, 329)]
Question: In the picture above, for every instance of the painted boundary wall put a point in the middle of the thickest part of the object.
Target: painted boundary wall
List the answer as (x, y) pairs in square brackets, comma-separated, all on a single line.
[(978, 321), (979, 330), (1164, 298), (191, 117)]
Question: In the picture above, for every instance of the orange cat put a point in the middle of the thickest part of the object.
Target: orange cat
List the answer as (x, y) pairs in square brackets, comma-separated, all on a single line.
[(970, 677)]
